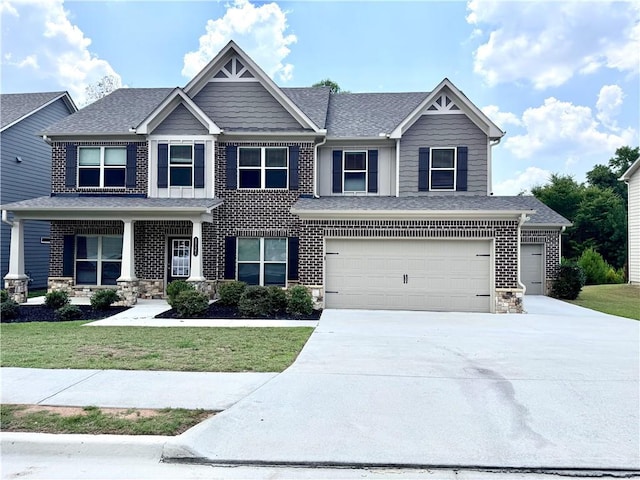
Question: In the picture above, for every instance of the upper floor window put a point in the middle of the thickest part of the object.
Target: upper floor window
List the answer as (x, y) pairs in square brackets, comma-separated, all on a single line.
[(180, 165), (102, 167), (443, 169), (355, 172), (263, 167)]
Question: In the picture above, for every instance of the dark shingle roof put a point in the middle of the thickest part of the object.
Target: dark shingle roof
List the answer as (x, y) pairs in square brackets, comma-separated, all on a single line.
[(114, 114), (313, 101), (115, 203), (543, 216), (14, 106)]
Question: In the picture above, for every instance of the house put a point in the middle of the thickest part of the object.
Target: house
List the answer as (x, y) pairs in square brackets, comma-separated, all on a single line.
[(632, 178), (370, 200), (26, 170)]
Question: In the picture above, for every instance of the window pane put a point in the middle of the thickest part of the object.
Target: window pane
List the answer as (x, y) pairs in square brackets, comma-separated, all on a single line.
[(355, 161), (87, 273), (87, 248), (276, 157), (89, 156), (115, 156), (89, 177), (180, 176), (248, 249), (249, 157), (249, 273), (354, 182), (275, 274), (442, 158), (114, 177), (275, 249), (112, 248), (180, 154), (276, 178), (442, 179), (250, 179), (110, 273)]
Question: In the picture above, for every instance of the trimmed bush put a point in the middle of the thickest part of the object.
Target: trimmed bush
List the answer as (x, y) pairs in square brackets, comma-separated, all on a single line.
[(175, 288), (229, 293), (594, 266), (191, 303), (103, 299), (299, 301), (570, 280), (255, 302), (4, 296), (68, 312), (8, 309), (278, 298), (615, 276), (56, 299)]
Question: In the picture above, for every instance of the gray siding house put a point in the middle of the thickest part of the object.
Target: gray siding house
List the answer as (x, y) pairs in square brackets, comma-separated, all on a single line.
[(26, 170), (379, 200)]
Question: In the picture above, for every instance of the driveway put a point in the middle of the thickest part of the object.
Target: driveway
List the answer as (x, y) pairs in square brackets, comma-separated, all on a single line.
[(555, 388)]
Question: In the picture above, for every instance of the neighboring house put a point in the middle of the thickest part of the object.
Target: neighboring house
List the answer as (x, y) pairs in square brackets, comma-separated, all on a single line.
[(26, 170), (632, 178), (377, 200)]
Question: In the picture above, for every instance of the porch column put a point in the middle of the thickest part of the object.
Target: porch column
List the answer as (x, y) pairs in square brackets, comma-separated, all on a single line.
[(128, 268), (16, 281), (196, 253)]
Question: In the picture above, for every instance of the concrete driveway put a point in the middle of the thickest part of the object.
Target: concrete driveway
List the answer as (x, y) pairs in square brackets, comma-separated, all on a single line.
[(557, 388)]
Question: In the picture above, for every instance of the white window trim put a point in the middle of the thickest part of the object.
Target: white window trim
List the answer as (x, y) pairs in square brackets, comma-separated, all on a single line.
[(102, 166), (263, 169), (262, 262), (181, 165), (98, 260), (365, 171), (448, 169)]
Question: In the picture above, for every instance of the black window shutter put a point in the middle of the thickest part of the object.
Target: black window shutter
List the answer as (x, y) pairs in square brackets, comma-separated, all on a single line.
[(71, 160), (232, 167), (230, 258), (294, 177), (423, 169), (68, 255), (198, 165), (163, 165), (372, 167), (292, 261), (337, 171), (132, 151), (461, 173)]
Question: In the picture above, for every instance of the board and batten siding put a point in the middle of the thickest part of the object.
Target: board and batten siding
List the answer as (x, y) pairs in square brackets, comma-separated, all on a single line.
[(180, 122), (28, 179), (634, 228), (443, 131), (244, 106)]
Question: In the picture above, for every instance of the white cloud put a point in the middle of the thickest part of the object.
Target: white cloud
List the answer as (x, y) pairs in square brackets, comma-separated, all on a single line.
[(501, 119), (55, 49), (547, 43), (608, 104), (523, 181), (259, 30)]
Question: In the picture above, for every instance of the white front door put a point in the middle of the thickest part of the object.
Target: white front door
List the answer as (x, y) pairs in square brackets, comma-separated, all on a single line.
[(179, 259)]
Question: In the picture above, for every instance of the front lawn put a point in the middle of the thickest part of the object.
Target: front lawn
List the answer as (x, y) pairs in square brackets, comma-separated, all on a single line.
[(198, 349), (621, 300)]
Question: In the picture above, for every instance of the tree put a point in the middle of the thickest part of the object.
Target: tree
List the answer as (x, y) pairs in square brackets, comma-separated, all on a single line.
[(606, 176), (563, 194), (102, 88), (327, 82)]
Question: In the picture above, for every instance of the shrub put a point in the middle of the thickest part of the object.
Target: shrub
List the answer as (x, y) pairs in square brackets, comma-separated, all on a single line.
[(175, 288), (230, 292), (103, 299), (569, 282), (615, 276), (4, 296), (56, 299), (68, 312), (8, 309), (594, 266), (278, 299), (191, 303), (299, 301), (255, 301)]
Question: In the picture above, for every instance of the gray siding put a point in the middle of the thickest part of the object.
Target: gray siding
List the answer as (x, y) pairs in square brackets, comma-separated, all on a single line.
[(28, 179), (180, 122), (443, 131), (244, 106)]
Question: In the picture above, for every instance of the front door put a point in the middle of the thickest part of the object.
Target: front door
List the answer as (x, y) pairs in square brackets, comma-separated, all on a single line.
[(179, 261)]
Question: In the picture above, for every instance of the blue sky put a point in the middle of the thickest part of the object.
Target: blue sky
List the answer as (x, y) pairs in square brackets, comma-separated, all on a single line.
[(562, 78)]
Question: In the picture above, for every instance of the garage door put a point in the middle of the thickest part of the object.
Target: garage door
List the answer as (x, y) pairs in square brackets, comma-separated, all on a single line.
[(531, 268), (437, 275)]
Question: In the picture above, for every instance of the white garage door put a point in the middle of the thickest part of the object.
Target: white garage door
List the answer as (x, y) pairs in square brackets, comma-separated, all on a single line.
[(531, 268), (437, 275)]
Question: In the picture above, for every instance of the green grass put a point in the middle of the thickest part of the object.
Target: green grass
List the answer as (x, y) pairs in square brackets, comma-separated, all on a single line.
[(70, 345), (621, 300), (93, 420)]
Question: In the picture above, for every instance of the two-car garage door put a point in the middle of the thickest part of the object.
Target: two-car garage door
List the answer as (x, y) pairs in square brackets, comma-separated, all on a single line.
[(390, 274)]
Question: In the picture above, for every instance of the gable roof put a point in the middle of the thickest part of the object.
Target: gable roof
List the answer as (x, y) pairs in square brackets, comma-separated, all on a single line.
[(14, 107), (635, 166), (313, 101), (543, 216)]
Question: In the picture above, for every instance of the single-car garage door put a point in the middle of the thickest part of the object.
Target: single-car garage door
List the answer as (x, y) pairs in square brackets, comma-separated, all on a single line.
[(438, 275), (531, 268)]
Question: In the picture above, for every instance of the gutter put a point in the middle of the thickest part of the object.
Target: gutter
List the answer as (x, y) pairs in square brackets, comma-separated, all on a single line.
[(315, 167), (5, 218)]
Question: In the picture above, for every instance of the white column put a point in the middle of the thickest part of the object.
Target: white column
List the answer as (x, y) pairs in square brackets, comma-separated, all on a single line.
[(128, 269), (196, 253), (16, 252)]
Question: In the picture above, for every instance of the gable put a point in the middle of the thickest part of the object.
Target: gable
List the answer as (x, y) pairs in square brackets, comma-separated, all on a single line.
[(179, 122)]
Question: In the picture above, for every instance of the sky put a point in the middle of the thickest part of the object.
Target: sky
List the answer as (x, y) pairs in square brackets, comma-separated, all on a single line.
[(560, 77)]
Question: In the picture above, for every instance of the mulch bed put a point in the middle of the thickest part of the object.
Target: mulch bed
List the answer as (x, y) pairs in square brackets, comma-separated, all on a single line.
[(42, 313), (226, 312)]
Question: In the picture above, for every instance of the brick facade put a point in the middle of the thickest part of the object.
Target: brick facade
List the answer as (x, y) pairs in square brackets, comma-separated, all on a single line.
[(551, 241)]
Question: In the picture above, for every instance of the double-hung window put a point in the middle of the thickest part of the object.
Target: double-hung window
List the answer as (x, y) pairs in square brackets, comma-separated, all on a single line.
[(102, 167), (263, 167), (98, 259), (262, 261), (355, 172), (180, 165), (442, 169)]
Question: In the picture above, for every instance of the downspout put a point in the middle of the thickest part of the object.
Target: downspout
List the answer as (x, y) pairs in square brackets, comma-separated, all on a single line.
[(489, 164), (397, 167), (315, 167), (5, 218), (523, 218)]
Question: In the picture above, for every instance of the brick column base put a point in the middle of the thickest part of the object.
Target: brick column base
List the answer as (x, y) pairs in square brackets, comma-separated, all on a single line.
[(509, 300), (128, 291), (17, 288), (204, 286)]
